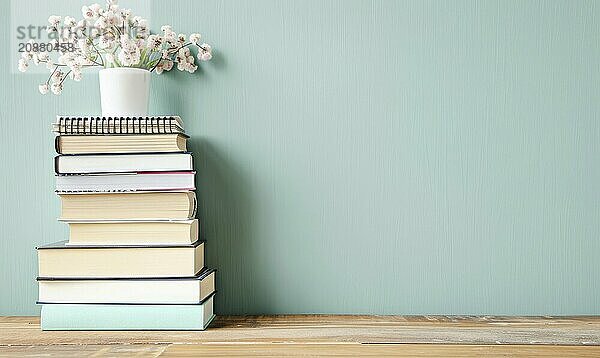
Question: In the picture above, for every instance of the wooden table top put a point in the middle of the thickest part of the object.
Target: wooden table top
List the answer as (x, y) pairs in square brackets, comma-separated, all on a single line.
[(321, 335)]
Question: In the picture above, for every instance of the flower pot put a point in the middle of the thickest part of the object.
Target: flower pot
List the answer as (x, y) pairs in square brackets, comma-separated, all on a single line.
[(124, 91)]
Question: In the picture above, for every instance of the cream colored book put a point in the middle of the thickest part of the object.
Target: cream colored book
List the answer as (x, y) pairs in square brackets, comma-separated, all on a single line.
[(128, 206), (99, 233), (169, 290), (59, 260), (89, 144)]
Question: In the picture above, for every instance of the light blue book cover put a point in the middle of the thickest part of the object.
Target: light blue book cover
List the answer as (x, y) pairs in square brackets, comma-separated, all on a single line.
[(97, 317)]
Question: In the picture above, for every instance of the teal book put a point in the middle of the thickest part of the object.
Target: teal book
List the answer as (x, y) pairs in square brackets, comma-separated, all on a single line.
[(122, 317)]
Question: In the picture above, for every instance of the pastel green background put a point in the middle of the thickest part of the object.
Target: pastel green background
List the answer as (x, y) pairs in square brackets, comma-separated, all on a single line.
[(355, 156)]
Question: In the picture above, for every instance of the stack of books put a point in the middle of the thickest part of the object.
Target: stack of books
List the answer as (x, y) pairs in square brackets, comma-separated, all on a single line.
[(133, 260)]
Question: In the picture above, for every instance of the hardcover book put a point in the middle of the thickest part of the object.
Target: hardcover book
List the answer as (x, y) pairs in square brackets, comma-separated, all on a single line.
[(128, 206), (124, 143), (122, 163), (167, 290), (62, 317), (133, 233), (59, 260), (125, 182)]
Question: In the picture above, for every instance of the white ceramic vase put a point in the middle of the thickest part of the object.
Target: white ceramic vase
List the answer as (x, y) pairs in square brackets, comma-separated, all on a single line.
[(124, 92)]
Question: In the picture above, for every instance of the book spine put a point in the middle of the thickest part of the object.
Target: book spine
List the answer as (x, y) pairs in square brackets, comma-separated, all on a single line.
[(57, 144), (56, 164)]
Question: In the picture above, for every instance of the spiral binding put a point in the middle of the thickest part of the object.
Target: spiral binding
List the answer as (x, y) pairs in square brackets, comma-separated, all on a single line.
[(117, 125)]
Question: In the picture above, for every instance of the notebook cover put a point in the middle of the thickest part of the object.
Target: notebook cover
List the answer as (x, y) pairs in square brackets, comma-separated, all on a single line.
[(74, 125), (125, 317)]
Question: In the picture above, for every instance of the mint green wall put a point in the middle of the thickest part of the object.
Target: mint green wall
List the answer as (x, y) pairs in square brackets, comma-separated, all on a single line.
[(355, 156)]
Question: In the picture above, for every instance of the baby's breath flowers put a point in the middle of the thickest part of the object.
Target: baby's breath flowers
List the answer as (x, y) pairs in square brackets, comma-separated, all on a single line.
[(110, 37)]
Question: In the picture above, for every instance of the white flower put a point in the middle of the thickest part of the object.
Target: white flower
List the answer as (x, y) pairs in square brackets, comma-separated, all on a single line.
[(170, 36), (57, 76), (44, 88), (110, 59), (141, 28), (126, 13), (23, 65), (87, 12), (181, 38), (206, 47), (66, 58), (96, 10), (57, 88), (113, 20), (69, 21), (112, 2), (136, 20), (204, 52), (54, 20), (100, 23), (80, 61), (204, 56), (159, 67), (43, 56), (27, 55), (154, 42), (130, 53), (106, 41), (166, 28), (195, 38)]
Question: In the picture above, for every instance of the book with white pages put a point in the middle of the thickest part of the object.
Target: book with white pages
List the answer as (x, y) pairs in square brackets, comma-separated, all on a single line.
[(147, 205), (123, 163), (167, 290), (133, 232), (58, 260), (123, 182)]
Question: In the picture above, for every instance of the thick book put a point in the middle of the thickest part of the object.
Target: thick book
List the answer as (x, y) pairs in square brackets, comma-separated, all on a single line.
[(59, 260), (122, 163), (128, 206), (133, 233), (125, 182), (167, 290), (75, 125), (121, 143), (98, 317)]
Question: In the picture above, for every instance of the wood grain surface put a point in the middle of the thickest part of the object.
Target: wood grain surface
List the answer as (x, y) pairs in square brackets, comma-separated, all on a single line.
[(376, 350), (321, 335), (25, 331)]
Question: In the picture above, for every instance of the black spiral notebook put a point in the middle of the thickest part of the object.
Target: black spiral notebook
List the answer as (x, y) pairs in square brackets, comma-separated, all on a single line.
[(72, 125)]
